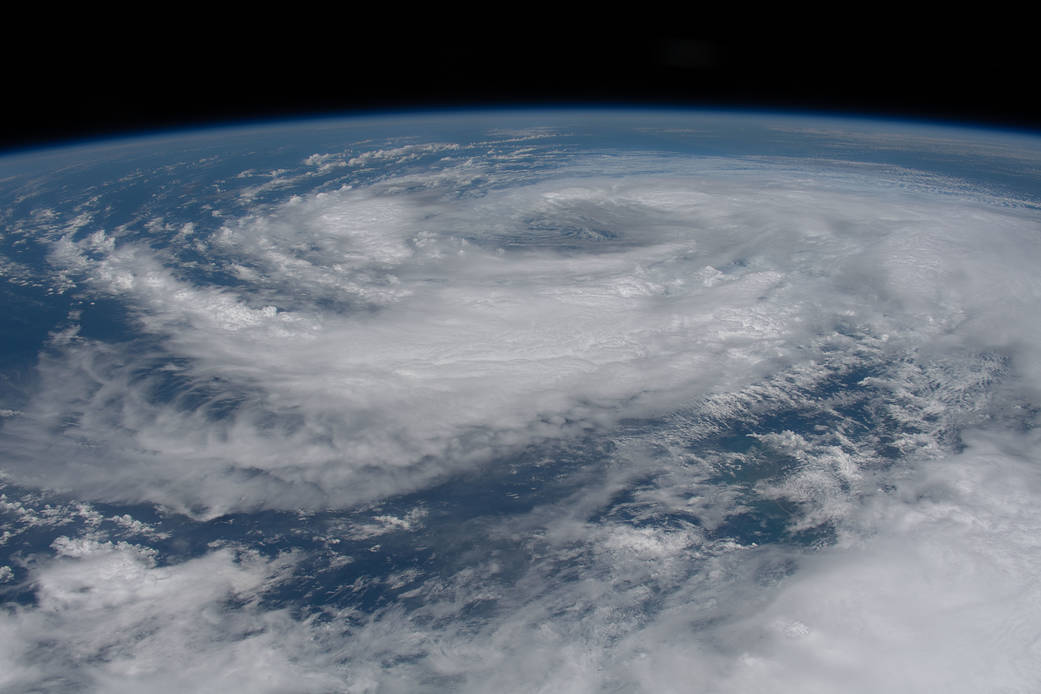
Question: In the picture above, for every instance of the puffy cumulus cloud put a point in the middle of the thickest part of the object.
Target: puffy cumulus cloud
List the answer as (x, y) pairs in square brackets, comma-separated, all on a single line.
[(379, 337), (399, 155), (108, 618), (931, 588)]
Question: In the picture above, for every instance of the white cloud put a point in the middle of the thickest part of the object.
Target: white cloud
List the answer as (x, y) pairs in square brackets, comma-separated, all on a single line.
[(400, 155), (380, 338), (385, 335), (933, 590), (931, 585), (109, 619)]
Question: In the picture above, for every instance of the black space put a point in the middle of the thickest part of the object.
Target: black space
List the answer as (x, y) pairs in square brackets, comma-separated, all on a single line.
[(97, 78)]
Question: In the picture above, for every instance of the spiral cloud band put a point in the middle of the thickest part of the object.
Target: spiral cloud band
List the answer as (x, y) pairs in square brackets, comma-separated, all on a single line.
[(534, 410)]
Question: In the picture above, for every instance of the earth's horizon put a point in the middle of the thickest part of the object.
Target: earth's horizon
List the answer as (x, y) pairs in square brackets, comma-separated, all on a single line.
[(578, 400)]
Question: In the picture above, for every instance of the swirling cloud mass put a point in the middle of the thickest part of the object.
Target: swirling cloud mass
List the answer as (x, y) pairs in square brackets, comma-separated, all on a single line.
[(545, 409)]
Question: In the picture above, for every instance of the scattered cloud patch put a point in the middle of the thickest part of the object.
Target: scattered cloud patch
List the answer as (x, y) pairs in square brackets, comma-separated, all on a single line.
[(400, 155)]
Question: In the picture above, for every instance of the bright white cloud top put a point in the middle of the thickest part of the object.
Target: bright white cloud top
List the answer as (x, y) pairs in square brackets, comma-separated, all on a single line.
[(542, 402)]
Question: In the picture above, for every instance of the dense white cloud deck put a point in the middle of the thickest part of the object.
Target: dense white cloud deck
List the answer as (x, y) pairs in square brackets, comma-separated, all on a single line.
[(629, 417)]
